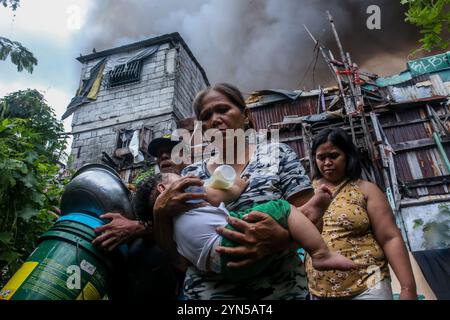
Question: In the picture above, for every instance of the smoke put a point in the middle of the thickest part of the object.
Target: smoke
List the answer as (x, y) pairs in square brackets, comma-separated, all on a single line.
[(260, 44)]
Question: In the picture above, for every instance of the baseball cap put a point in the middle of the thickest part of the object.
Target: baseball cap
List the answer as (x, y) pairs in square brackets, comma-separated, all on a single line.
[(165, 140)]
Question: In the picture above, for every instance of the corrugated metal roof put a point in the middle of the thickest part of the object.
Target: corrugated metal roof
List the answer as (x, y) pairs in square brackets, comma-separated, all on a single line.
[(393, 80), (265, 97), (269, 114), (429, 64), (405, 122)]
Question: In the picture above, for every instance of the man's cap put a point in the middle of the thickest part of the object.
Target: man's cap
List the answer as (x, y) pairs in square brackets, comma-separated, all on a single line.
[(166, 140)]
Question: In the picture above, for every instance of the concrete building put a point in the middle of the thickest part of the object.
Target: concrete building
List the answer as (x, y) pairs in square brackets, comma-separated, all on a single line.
[(129, 95)]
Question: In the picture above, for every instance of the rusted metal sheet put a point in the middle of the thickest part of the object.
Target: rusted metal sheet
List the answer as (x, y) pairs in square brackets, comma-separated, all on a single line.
[(438, 86), (406, 122), (423, 86), (273, 113), (417, 102), (297, 146), (406, 133), (401, 94), (420, 164)]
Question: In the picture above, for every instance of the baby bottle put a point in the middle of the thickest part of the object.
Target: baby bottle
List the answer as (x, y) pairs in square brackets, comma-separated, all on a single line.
[(222, 178)]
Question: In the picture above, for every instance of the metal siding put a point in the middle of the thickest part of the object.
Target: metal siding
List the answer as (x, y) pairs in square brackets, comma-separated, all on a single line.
[(403, 169), (274, 113), (410, 164), (438, 86)]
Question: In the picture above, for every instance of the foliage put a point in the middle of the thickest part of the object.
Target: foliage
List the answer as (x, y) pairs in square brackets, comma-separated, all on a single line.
[(146, 172), (20, 56), (436, 233), (433, 19), (12, 4), (30, 147)]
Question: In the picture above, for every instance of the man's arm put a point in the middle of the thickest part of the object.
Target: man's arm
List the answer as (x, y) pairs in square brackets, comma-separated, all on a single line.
[(120, 230)]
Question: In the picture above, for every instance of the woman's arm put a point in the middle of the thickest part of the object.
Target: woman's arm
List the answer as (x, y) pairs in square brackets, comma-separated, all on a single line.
[(258, 239), (259, 235), (389, 237)]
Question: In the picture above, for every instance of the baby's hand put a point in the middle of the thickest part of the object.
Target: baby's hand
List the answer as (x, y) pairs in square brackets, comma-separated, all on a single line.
[(323, 189), (322, 196)]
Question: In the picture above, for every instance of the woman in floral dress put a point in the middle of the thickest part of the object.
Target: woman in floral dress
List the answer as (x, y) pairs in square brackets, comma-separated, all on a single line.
[(358, 224)]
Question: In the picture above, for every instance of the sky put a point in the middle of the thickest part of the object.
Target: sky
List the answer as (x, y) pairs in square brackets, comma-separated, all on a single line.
[(47, 29), (262, 43)]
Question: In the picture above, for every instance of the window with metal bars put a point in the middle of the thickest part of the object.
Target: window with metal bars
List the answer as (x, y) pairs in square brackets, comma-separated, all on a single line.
[(125, 73)]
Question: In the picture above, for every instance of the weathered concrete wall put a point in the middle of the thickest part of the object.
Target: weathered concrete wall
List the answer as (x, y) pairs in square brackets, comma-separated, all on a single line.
[(168, 83), (188, 82), (426, 226)]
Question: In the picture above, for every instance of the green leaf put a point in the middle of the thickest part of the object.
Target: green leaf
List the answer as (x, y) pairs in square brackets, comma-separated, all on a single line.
[(20, 56), (31, 157), (12, 182), (6, 237), (29, 180), (38, 198), (9, 256), (30, 142), (27, 213)]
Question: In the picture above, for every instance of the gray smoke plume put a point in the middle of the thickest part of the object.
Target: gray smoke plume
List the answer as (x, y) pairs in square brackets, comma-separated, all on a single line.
[(260, 44)]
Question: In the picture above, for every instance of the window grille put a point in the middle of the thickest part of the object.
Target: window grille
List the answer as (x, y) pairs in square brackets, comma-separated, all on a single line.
[(125, 73)]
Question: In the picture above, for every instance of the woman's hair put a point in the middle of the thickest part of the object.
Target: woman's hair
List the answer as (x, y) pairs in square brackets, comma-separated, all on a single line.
[(228, 90), (339, 138)]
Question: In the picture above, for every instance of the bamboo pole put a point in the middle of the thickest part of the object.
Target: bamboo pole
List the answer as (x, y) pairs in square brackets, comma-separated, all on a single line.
[(343, 60), (322, 51)]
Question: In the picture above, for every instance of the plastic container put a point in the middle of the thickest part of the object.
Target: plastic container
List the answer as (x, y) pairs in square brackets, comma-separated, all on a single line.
[(222, 178), (66, 249), (65, 265)]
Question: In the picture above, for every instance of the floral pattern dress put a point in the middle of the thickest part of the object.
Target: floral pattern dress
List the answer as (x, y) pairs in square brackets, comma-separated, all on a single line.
[(347, 230)]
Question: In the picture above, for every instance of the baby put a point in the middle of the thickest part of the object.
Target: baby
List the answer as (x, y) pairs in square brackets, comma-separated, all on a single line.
[(196, 236)]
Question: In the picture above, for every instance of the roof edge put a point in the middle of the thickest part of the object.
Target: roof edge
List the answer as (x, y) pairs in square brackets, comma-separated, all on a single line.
[(175, 36)]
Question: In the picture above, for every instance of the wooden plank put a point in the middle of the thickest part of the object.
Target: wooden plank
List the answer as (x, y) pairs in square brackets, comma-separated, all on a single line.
[(379, 140), (120, 152), (417, 144), (428, 182)]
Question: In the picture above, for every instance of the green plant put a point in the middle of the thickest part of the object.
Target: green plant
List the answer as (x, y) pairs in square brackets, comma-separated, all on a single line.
[(144, 173), (20, 56), (432, 17), (31, 143)]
